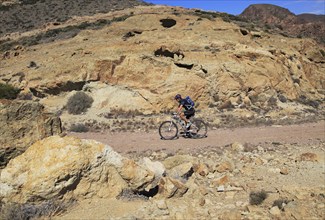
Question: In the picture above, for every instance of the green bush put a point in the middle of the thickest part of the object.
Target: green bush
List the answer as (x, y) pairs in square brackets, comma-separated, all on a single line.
[(79, 103), (8, 91)]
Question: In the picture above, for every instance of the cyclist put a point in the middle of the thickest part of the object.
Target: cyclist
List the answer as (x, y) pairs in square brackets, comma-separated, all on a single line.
[(188, 112)]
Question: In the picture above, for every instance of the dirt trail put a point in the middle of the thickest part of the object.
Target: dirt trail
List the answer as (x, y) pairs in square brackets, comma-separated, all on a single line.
[(299, 179), (140, 141)]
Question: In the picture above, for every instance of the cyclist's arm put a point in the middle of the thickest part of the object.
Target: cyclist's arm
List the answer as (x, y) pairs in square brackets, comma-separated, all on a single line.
[(179, 109)]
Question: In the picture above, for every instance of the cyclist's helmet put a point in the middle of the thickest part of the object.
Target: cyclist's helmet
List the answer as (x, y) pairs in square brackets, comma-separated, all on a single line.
[(178, 96)]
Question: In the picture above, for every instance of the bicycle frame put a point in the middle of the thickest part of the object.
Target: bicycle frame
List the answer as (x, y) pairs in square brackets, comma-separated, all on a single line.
[(179, 121)]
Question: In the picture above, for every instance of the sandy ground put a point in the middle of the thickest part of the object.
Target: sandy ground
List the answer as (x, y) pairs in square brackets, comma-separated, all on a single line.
[(137, 142)]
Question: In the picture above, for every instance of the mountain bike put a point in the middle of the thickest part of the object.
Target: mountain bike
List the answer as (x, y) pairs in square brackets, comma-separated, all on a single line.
[(168, 130)]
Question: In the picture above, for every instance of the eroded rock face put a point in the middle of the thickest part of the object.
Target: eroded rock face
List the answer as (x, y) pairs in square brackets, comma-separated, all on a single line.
[(212, 60), (21, 124), (56, 167)]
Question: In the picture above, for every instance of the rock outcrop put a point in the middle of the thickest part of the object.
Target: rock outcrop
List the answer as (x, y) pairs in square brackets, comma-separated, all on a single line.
[(68, 167), (22, 123)]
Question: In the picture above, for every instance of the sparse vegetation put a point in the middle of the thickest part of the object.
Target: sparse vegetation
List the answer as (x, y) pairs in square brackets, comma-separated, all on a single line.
[(256, 198), (212, 15), (79, 128), (304, 100), (121, 113), (31, 211), (17, 17), (79, 103), (121, 18), (8, 91), (322, 52), (60, 33)]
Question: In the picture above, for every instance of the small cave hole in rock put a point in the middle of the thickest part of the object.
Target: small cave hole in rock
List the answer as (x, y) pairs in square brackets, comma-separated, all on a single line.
[(131, 34), (204, 70), (168, 23), (65, 87), (186, 66), (243, 32), (188, 174), (129, 194), (37, 93), (151, 193), (164, 53)]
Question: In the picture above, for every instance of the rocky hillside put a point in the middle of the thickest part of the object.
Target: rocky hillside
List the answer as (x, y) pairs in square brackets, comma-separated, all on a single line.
[(25, 15), (304, 25), (136, 60)]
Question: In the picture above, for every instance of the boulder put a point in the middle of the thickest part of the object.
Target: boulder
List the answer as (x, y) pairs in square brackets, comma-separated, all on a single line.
[(183, 170), (176, 160), (170, 187), (225, 166), (22, 123), (201, 168), (68, 167)]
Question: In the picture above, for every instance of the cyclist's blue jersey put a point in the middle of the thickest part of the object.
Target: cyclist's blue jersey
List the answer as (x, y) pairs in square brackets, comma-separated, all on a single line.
[(185, 104)]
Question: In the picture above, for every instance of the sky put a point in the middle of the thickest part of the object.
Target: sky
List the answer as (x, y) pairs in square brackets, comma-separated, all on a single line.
[(236, 7)]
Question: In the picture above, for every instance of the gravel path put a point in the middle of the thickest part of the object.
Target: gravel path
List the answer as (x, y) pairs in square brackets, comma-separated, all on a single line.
[(141, 141)]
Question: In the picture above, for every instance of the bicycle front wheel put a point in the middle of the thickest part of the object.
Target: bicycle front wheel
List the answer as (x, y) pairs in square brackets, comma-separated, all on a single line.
[(168, 130), (198, 129)]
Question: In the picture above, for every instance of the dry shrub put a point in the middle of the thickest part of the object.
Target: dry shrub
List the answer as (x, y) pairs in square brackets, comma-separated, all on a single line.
[(280, 203), (256, 198), (8, 91), (79, 103), (79, 128), (31, 211)]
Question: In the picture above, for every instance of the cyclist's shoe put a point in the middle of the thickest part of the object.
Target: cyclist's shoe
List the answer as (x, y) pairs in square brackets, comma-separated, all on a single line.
[(188, 135)]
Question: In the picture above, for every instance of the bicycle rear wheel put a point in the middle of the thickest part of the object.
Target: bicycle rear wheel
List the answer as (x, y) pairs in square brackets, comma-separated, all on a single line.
[(168, 130), (198, 129)]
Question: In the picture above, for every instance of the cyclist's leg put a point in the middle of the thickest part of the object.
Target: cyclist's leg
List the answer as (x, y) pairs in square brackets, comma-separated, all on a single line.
[(189, 114), (184, 117)]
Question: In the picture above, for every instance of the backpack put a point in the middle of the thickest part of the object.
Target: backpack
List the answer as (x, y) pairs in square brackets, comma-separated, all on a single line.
[(190, 101)]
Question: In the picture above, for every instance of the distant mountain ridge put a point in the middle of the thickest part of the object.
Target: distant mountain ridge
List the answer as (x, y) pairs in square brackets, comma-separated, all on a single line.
[(303, 25)]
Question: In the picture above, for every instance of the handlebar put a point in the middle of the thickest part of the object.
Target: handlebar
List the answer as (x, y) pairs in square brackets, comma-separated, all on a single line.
[(175, 115)]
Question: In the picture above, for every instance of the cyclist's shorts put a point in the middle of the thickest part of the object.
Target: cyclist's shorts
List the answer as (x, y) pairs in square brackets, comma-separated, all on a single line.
[(189, 113)]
